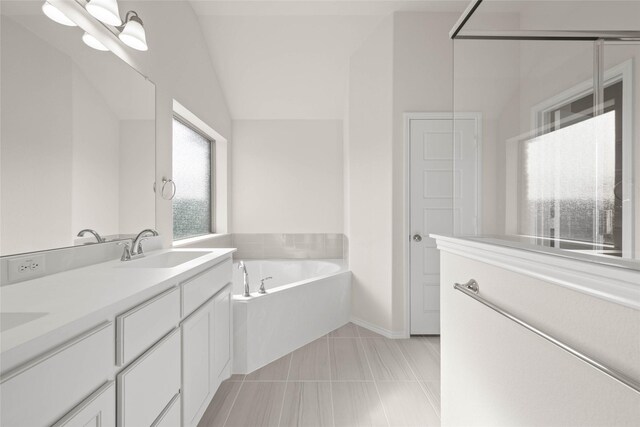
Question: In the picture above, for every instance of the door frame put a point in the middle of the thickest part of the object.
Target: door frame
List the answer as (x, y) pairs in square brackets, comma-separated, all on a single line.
[(407, 118)]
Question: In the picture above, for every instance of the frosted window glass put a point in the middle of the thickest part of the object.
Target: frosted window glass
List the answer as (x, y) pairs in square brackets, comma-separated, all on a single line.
[(192, 175), (569, 179)]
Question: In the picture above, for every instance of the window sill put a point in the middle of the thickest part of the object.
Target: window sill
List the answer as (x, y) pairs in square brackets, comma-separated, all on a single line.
[(198, 239)]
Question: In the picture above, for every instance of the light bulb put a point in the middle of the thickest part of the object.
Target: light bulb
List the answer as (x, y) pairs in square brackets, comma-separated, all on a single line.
[(133, 34), (105, 11), (93, 42), (56, 15)]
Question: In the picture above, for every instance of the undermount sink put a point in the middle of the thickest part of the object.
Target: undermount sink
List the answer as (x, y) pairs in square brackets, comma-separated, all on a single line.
[(13, 320), (163, 260)]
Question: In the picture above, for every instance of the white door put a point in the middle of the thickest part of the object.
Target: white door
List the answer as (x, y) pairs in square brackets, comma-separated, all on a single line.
[(444, 200)]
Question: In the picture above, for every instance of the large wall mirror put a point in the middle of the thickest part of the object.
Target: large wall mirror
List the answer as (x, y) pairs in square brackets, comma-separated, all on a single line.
[(77, 137)]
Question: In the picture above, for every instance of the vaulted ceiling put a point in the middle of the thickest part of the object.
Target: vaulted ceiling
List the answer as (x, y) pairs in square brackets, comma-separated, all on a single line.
[(289, 59)]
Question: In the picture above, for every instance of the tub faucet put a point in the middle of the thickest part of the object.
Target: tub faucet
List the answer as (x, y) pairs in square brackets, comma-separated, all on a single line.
[(262, 290), (245, 278)]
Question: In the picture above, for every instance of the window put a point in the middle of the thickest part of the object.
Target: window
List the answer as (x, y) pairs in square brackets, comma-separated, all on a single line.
[(572, 176), (192, 172)]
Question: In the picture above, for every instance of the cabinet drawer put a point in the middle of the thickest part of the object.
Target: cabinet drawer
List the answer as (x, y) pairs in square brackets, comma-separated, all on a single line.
[(170, 417), (44, 390), (147, 385), (140, 327), (99, 410), (200, 288)]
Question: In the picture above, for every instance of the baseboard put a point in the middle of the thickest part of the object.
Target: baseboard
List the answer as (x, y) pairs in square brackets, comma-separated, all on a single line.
[(378, 330)]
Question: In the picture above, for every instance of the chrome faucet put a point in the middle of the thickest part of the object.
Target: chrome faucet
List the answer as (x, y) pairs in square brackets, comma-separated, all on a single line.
[(245, 278), (126, 253), (262, 290), (136, 246), (99, 239)]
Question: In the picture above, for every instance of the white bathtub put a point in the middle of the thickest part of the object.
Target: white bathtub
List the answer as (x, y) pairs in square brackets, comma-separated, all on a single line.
[(305, 300)]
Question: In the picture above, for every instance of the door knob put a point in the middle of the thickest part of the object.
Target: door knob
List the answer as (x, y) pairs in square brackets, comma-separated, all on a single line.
[(417, 238)]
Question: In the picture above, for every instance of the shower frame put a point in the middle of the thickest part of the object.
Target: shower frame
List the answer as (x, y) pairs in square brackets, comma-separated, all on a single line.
[(598, 37), (458, 32)]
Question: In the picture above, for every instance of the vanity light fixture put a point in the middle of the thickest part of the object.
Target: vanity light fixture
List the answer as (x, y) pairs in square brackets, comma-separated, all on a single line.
[(133, 34), (93, 42), (130, 32), (56, 15), (105, 11)]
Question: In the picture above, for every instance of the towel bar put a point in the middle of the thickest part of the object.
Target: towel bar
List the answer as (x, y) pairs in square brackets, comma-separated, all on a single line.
[(472, 289)]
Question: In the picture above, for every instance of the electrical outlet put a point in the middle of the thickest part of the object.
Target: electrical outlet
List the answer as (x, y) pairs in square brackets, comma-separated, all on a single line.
[(25, 268)]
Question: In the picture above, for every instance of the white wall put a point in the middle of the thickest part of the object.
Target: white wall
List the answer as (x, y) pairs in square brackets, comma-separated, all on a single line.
[(406, 66), (488, 79), (193, 83), (422, 79), (287, 176), (273, 63), (369, 158), (178, 63)]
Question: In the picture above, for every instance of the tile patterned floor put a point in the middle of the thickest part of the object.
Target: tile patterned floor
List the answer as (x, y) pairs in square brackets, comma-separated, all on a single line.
[(352, 377)]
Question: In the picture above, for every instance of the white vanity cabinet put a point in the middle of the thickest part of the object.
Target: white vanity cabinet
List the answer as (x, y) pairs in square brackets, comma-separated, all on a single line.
[(153, 363), (206, 353), (44, 390)]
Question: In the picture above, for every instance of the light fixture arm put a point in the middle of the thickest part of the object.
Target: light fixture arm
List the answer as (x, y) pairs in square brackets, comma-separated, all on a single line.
[(131, 15), (132, 31)]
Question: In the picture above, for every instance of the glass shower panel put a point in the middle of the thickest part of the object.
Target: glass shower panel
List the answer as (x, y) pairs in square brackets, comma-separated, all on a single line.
[(550, 162), (556, 146)]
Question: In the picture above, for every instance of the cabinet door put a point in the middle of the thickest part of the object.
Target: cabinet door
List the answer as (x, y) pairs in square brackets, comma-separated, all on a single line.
[(98, 410), (147, 385), (198, 376), (222, 334), (170, 417)]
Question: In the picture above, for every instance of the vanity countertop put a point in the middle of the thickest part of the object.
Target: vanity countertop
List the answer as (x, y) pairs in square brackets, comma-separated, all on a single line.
[(41, 313)]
